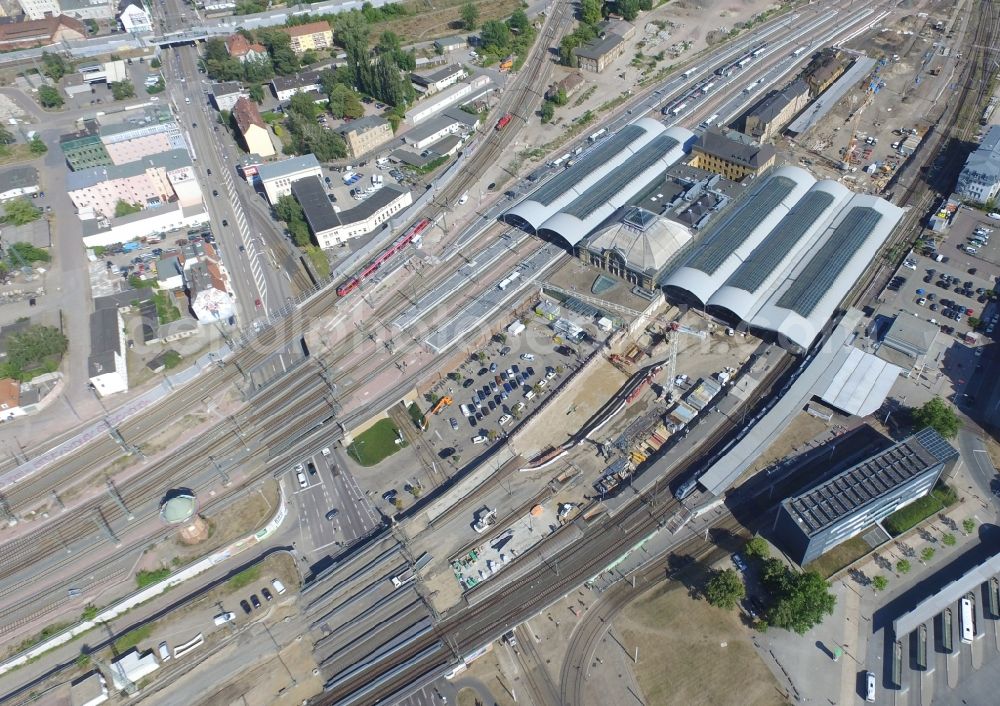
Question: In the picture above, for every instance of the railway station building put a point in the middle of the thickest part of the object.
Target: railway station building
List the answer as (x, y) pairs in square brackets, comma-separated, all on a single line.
[(854, 500)]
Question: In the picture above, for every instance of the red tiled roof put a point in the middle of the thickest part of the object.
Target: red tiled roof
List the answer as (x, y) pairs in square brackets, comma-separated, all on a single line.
[(246, 114), (303, 30)]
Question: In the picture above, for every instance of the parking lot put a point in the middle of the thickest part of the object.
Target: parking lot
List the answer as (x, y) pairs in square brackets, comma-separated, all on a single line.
[(498, 389), (347, 187), (333, 510)]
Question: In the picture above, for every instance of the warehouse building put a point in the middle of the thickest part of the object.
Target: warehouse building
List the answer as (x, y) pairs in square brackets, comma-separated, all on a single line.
[(782, 259), (616, 170), (844, 506)]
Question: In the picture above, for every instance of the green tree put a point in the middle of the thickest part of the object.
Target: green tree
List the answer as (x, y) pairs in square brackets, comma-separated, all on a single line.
[(303, 104), (36, 146), (757, 547), (519, 23), (804, 601), (590, 11), (122, 90), (49, 97), (968, 525), (308, 57), (560, 98), (89, 612), (289, 210), (927, 554), (903, 566), (344, 102), (256, 93), (154, 63), (54, 66), (725, 589), (628, 9), (18, 212), (948, 539), (20, 253), (548, 111), (470, 16), (258, 71), (566, 47), (124, 208), (880, 582), (974, 322), (938, 415), (495, 37)]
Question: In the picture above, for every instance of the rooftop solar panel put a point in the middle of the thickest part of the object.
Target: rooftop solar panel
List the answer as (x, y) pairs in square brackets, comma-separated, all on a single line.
[(764, 259), (601, 192), (870, 479), (599, 155), (736, 229), (825, 267)]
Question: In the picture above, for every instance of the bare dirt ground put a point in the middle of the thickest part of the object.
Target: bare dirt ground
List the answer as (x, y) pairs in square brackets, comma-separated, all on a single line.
[(584, 396), (695, 653)]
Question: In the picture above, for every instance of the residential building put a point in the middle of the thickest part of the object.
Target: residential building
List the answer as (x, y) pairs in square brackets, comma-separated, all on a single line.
[(37, 9), (10, 399), (150, 182), (33, 33), (365, 134), (284, 87), (105, 230), (854, 500), (277, 177), (567, 85), (131, 667), (310, 37), (731, 154), (332, 228), (89, 690), (770, 116), (126, 143), (979, 180), (106, 365), (253, 130), (610, 44), (434, 81), (225, 95), (453, 95), (449, 44), (239, 47), (207, 291), (83, 149), (18, 181), (134, 17)]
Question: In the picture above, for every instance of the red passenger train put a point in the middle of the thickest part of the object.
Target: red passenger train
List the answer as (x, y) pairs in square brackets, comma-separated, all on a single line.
[(383, 257)]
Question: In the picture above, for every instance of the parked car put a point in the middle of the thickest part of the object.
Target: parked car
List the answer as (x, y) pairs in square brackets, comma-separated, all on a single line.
[(255, 600), (267, 594), (246, 607)]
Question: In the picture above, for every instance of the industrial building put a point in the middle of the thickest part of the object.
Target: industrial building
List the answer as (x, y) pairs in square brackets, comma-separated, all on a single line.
[(782, 259), (333, 227), (574, 202), (979, 179), (438, 80), (842, 507)]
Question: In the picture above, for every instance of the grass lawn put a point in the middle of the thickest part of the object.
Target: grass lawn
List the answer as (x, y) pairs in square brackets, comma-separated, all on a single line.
[(376, 444), (244, 578), (839, 557), (166, 311), (916, 512), (686, 662)]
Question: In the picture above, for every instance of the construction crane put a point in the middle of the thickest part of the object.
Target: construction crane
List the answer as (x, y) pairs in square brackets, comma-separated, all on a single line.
[(675, 330)]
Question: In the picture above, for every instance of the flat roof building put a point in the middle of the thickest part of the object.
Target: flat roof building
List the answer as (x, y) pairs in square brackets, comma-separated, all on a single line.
[(908, 340), (365, 135), (83, 149), (332, 227), (840, 508), (89, 690), (446, 44), (225, 94), (434, 81), (18, 181), (277, 177), (284, 87)]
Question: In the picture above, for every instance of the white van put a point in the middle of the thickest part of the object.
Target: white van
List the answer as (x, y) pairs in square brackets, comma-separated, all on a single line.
[(303, 483), (869, 686), (479, 439), (164, 650), (278, 586), (463, 198), (223, 618)]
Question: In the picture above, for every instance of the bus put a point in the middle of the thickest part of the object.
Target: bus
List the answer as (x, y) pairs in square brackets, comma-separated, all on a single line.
[(966, 624)]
